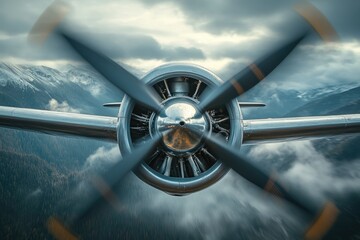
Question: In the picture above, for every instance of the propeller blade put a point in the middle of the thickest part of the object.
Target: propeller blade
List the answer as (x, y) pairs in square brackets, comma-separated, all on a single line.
[(323, 217), (116, 74), (50, 21), (248, 77), (103, 185)]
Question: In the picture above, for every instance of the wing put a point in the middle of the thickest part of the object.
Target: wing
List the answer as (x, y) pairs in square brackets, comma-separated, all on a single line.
[(59, 123), (285, 129)]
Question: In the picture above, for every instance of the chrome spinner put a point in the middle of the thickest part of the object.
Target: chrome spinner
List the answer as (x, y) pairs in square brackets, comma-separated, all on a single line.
[(181, 114)]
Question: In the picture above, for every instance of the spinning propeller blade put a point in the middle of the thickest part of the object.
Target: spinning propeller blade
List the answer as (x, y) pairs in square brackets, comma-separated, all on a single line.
[(260, 69), (116, 74), (324, 216), (248, 77), (103, 185), (128, 83)]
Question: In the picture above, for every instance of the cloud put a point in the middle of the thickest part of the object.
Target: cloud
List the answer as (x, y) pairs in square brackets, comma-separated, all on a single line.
[(54, 105), (233, 16), (231, 208), (307, 68), (234, 208), (18, 16), (37, 192), (102, 157), (228, 16), (128, 46), (303, 167)]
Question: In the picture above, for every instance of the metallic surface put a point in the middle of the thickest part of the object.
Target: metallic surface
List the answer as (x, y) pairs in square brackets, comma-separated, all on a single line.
[(112, 104), (181, 115), (284, 129), (172, 185), (59, 122), (251, 104), (179, 87)]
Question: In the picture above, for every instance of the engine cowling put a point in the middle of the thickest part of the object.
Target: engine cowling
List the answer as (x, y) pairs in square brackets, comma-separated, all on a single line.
[(181, 164)]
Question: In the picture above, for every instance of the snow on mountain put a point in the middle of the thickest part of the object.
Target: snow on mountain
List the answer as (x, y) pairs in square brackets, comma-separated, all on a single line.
[(281, 102)]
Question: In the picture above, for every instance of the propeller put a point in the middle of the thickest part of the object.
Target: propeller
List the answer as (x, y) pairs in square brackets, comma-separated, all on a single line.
[(103, 185), (110, 70), (248, 77), (116, 74), (147, 97), (324, 216), (261, 68)]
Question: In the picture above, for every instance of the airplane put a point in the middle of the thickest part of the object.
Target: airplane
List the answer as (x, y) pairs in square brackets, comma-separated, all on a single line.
[(180, 127)]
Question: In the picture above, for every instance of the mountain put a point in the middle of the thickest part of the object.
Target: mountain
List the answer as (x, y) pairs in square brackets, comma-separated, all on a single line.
[(280, 103), (346, 102)]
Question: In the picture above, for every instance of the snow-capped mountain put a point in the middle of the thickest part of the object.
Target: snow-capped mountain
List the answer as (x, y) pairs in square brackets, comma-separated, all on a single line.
[(35, 86), (280, 103)]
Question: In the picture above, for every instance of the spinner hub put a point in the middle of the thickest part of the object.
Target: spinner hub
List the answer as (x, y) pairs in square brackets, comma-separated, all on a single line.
[(181, 115)]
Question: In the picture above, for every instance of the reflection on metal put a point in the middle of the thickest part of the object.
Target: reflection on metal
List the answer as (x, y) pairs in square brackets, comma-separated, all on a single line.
[(181, 115), (251, 104), (284, 129), (112, 104), (181, 161), (168, 162), (194, 168), (59, 123)]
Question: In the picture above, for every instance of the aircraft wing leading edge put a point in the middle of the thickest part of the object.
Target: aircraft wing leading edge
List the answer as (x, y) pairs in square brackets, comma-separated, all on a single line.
[(285, 129), (59, 123)]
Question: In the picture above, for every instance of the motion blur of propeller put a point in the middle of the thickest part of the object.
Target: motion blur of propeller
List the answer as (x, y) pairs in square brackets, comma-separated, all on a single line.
[(116, 74), (261, 68), (324, 218), (103, 185), (110, 70), (249, 77)]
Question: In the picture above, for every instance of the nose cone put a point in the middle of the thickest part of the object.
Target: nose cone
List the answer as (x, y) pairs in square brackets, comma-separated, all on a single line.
[(181, 116)]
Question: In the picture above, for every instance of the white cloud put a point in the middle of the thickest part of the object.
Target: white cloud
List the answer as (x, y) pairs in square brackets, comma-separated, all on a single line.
[(310, 170), (54, 105), (103, 156), (231, 205), (322, 65)]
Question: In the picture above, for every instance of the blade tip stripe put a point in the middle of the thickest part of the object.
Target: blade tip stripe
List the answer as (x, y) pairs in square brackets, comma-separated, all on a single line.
[(271, 187), (238, 88), (48, 21), (58, 230), (317, 21), (324, 221), (257, 71), (107, 193)]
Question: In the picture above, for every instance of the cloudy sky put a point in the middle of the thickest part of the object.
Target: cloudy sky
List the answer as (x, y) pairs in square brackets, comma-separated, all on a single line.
[(223, 36)]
